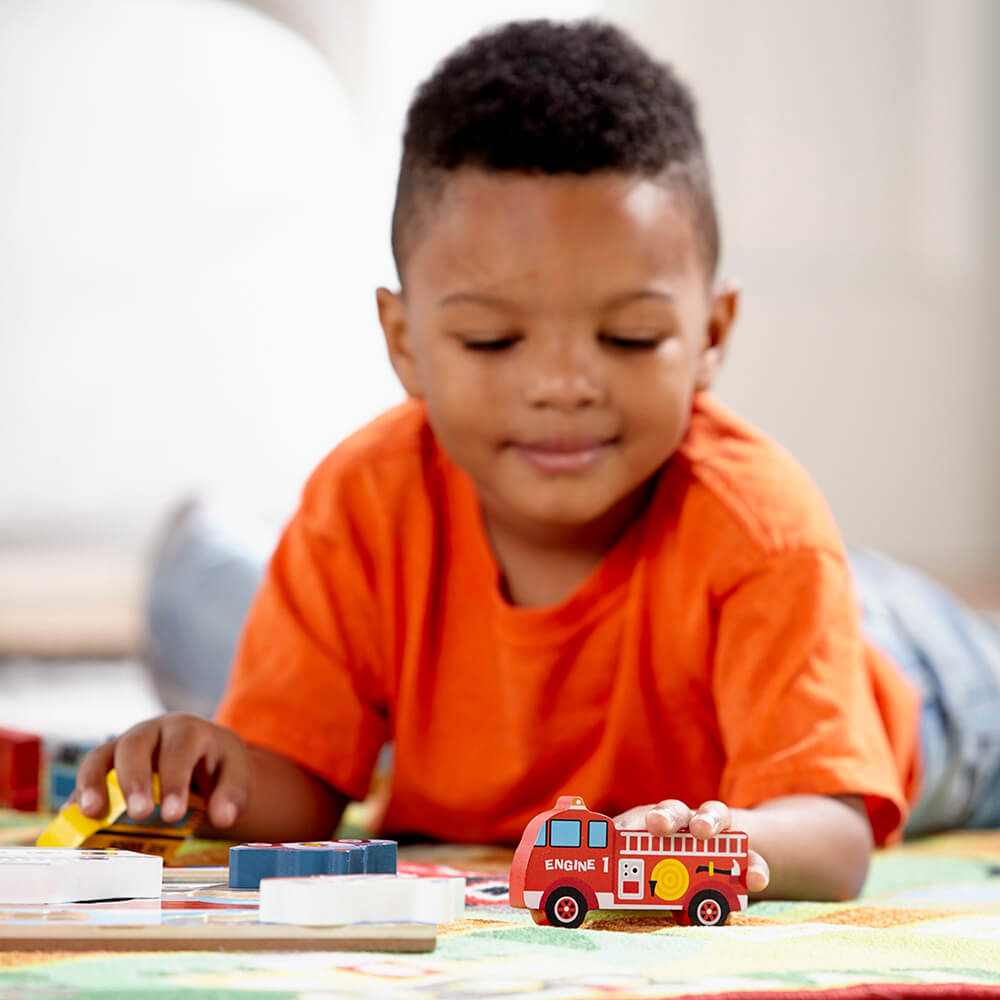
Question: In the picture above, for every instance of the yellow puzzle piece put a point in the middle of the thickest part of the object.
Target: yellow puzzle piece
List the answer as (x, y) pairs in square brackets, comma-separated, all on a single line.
[(113, 828)]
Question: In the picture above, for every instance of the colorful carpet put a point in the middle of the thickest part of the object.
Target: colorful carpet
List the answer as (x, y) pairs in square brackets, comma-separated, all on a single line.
[(926, 926)]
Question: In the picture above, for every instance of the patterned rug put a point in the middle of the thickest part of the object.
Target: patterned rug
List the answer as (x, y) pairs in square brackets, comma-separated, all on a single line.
[(926, 926)]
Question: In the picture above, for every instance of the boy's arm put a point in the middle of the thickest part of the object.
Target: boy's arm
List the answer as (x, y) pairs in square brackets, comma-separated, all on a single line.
[(803, 846), (306, 681), (816, 846), (801, 722)]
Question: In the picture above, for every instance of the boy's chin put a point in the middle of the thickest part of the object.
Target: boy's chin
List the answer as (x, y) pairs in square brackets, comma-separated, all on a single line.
[(565, 515)]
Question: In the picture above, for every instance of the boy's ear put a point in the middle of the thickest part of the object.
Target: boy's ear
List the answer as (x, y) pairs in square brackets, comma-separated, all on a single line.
[(721, 313), (392, 316)]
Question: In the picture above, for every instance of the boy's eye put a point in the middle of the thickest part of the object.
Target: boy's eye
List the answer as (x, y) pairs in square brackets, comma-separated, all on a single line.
[(499, 343), (638, 341)]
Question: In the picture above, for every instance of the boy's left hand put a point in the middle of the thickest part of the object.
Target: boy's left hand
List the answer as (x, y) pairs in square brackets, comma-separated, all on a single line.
[(664, 818)]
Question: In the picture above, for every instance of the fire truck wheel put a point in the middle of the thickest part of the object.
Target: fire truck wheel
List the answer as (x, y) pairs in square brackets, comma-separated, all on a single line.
[(708, 908), (565, 907)]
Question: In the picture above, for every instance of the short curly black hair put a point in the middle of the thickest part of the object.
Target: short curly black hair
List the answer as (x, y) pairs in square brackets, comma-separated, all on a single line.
[(552, 97)]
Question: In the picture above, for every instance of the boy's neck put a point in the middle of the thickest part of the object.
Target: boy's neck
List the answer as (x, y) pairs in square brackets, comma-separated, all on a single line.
[(541, 567)]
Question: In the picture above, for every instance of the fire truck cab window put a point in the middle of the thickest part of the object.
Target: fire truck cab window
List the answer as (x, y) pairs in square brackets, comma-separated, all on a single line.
[(564, 833), (597, 833), (540, 839)]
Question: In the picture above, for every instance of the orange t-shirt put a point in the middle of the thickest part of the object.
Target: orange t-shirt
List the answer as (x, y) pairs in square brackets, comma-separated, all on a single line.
[(714, 653)]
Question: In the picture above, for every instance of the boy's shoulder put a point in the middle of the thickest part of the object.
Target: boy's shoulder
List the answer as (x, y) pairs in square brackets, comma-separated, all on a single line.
[(381, 463), (745, 484)]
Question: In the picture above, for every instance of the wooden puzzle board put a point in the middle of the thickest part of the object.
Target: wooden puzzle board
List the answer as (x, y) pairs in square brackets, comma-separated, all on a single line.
[(197, 912)]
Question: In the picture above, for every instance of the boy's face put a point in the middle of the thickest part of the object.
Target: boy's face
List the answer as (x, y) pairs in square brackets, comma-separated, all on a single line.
[(557, 328)]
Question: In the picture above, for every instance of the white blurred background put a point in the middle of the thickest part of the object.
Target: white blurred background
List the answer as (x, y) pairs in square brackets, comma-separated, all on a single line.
[(194, 210)]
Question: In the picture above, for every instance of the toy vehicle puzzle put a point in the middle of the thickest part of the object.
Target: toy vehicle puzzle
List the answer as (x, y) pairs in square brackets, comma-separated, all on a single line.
[(572, 860)]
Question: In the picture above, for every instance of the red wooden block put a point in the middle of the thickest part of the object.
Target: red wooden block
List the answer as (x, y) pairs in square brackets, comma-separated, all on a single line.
[(572, 860), (20, 764)]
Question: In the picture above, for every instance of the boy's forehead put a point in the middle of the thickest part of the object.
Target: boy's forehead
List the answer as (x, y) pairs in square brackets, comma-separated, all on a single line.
[(488, 228)]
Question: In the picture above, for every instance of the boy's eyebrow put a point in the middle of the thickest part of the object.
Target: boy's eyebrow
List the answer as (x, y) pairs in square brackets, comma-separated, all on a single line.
[(645, 293), (492, 300), (478, 297)]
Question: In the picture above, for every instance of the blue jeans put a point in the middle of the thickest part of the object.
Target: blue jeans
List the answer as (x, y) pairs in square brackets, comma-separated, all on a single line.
[(953, 657), (204, 574), (207, 569)]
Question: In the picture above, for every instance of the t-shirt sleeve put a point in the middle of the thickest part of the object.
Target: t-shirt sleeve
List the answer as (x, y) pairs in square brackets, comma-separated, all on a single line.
[(304, 681), (796, 701)]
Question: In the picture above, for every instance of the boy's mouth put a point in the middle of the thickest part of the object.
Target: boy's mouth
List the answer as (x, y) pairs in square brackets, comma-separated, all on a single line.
[(556, 455)]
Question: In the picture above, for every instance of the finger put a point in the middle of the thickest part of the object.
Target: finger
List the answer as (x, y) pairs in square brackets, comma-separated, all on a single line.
[(134, 763), (185, 742), (667, 817), (233, 784), (758, 873), (91, 788), (710, 818), (632, 819)]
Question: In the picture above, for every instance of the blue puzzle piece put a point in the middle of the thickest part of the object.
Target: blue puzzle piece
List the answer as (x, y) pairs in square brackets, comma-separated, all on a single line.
[(64, 762), (62, 781), (249, 863)]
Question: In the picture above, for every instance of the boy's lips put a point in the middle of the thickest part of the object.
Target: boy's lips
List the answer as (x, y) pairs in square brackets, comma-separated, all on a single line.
[(562, 455)]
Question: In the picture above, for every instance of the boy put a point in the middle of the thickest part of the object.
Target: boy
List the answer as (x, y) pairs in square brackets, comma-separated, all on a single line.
[(561, 567)]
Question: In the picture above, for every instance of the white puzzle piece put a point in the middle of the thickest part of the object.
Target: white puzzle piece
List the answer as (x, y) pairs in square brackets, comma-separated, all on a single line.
[(74, 875), (325, 900)]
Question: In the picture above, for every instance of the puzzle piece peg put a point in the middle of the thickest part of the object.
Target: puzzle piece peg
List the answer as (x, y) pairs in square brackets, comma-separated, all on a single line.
[(358, 899)]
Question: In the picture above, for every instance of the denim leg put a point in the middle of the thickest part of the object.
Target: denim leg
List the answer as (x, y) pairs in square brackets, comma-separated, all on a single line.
[(952, 655), (203, 577)]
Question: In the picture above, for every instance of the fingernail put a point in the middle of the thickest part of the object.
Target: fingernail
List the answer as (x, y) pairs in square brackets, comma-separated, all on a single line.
[(171, 808), (90, 801), (227, 813), (137, 803)]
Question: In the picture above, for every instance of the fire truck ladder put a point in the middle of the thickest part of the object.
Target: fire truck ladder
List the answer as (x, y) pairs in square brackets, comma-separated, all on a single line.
[(724, 845)]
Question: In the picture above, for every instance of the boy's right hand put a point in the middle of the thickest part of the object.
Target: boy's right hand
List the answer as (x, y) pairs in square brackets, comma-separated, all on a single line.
[(670, 815), (185, 750)]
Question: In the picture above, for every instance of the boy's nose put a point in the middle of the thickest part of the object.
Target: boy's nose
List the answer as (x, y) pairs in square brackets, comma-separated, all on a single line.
[(562, 389), (563, 380)]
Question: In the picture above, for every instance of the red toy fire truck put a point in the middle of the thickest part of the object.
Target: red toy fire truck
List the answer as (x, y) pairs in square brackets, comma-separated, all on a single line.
[(571, 860)]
